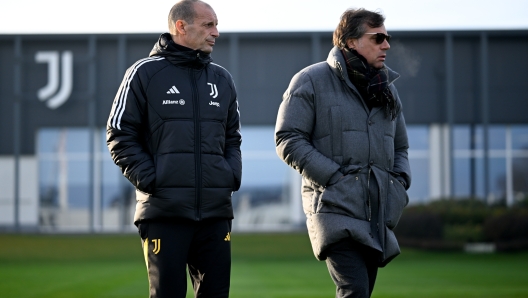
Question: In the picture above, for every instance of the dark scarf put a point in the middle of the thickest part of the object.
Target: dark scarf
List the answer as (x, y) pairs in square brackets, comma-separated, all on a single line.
[(372, 83)]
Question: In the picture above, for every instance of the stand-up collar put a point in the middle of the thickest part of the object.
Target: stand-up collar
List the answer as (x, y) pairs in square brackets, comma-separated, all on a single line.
[(178, 54), (337, 62)]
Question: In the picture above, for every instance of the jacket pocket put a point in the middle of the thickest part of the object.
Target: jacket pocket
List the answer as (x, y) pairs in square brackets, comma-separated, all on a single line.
[(397, 199), (143, 229), (347, 197), (216, 172)]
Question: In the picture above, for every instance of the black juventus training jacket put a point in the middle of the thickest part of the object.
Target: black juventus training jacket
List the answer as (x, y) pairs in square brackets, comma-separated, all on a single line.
[(174, 131)]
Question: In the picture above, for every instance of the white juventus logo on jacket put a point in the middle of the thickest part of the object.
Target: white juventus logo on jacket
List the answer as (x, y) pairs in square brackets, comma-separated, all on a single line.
[(214, 91), (49, 92)]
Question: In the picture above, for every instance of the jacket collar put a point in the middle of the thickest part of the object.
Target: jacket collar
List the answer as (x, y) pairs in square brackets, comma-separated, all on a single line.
[(179, 55), (336, 61)]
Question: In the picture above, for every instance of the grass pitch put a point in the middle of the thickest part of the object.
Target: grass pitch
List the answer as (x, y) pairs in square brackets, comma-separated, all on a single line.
[(264, 265)]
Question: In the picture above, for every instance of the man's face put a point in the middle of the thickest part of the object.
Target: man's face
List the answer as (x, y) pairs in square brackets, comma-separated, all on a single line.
[(367, 47), (201, 34)]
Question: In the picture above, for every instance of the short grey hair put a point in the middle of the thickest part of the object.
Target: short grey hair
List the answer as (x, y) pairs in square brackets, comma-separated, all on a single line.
[(182, 10)]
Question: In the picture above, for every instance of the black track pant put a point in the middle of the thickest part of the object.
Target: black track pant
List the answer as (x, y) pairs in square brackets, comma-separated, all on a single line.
[(204, 248), (353, 268)]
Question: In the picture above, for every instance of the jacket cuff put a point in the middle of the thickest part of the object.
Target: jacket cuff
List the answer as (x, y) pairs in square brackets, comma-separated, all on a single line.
[(335, 177)]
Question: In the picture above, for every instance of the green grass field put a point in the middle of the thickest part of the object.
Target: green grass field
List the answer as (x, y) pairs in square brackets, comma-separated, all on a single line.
[(264, 265)]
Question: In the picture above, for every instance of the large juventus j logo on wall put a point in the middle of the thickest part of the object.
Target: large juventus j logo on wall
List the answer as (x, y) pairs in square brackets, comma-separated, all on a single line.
[(49, 92)]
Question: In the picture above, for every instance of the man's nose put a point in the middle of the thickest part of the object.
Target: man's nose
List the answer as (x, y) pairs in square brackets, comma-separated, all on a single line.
[(215, 32), (385, 45)]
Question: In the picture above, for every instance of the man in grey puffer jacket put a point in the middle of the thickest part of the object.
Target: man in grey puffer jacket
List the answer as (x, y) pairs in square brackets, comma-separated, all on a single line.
[(341, 126)]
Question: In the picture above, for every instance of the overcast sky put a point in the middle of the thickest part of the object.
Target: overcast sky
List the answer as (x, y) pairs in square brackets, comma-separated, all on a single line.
[(132, 16)]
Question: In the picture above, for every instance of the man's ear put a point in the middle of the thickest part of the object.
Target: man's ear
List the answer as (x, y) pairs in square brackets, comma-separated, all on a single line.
[(351, 43), (180, 27)]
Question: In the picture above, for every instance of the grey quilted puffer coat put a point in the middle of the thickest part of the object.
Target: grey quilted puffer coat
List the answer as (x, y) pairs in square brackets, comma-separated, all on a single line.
[(324, 130)]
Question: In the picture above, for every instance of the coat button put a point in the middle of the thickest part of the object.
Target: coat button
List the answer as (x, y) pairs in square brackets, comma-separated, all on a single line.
[(371, 162)]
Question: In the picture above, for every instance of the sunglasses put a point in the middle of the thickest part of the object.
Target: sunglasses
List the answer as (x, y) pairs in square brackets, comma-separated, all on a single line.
[(380, 37)]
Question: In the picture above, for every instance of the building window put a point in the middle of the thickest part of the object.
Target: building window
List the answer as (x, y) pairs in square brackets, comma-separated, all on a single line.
[(419, 160)]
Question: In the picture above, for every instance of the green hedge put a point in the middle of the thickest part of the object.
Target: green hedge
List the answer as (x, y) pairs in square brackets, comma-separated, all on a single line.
[(451, 223)]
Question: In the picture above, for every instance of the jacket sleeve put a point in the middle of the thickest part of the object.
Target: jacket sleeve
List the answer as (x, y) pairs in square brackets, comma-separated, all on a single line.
[(125, 133), (293, 133), (233, 141), (401, 146)]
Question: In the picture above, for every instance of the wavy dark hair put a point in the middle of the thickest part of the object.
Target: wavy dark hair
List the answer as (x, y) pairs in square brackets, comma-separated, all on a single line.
[(353, 24)]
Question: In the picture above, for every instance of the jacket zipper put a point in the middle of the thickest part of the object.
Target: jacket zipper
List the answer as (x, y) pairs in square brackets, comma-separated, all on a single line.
[(368, 191), (338, 66), (197, 147)]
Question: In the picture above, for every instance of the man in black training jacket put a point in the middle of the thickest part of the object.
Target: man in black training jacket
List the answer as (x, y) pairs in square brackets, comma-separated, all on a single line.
[(174, 131)]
